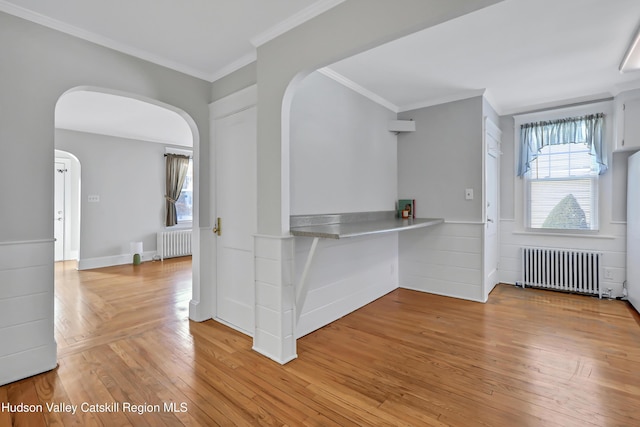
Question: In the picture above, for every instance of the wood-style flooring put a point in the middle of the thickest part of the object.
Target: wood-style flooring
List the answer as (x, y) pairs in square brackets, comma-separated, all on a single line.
[(525, 358)]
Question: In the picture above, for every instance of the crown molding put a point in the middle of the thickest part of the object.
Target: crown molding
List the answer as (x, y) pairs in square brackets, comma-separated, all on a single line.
[(233, 66), (563, 105), (299, 18), (625, 87), (358, 89), (631, 60), (443, 100), (89, 36)]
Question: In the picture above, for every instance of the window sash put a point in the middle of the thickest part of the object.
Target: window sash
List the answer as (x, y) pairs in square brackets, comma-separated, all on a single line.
[(563, 161), (588, 201)]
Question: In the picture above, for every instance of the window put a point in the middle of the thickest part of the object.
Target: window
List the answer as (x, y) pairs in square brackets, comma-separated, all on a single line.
[(184, 204), (562, 188), (178, 188), (560, 162)]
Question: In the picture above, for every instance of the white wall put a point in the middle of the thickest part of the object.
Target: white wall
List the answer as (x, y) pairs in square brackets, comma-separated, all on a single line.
[(436, 163), (129, 177), (281, 63), (343, 159), (442, 158), (38, 66), (610, 239), (338, 33)]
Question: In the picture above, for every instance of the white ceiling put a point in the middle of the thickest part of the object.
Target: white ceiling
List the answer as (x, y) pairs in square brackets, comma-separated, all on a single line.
[(202, 38), (526, 54), (522, 54)]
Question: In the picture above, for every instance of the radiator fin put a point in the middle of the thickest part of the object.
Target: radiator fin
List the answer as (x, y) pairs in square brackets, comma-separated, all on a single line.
[(561, 269), (174, 243)]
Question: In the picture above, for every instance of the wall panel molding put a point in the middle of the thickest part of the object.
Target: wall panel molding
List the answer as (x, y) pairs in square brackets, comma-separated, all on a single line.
[(26, 309)]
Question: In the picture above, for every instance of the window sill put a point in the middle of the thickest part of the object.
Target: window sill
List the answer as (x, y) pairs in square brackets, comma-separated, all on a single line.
[(571, 235), (180, 226)]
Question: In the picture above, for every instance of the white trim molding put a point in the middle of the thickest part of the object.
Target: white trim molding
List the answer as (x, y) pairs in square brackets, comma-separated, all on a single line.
[(339, 78), (234, 103), (468, 94), (109, 261), (92, 37), (317, 8)]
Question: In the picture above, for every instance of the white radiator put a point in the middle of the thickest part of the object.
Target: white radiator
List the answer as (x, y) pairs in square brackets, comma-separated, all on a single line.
[(174, 243), (562, 269)]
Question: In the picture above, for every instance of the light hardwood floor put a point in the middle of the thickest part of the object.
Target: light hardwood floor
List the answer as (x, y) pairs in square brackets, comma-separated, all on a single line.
[(525, 358)]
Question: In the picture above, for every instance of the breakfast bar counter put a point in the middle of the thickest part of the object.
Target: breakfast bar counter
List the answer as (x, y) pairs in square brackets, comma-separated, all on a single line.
[(341, 226)]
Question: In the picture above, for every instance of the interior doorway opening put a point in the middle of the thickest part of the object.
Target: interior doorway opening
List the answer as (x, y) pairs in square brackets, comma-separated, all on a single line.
[(172, 126), (67, 206)]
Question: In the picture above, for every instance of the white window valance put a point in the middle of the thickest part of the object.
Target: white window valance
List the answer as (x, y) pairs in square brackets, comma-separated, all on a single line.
[(574, 130)]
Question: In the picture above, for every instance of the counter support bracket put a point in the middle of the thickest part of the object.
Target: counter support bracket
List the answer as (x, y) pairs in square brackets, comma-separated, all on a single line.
[(303, 287)]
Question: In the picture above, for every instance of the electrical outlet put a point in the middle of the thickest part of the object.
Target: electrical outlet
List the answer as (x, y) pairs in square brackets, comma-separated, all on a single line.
[(468, 194), (608, 274)]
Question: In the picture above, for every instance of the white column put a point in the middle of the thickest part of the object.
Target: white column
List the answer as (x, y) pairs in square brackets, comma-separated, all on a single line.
[(275, 298)]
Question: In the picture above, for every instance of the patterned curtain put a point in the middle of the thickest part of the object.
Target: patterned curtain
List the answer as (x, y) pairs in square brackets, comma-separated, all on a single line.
[(586, 129), (176, 172)]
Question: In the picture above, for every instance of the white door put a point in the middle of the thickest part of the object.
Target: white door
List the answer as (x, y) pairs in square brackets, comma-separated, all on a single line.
[(236, 205), (491, 200), (60, 171)]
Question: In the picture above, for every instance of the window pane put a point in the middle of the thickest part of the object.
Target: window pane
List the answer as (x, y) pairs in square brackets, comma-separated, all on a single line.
[(562, 161), (562, 189), (184, 205), (562, 204)]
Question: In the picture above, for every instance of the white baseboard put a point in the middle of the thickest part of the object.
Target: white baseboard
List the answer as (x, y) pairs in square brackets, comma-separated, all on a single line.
[(195, 312), (232, 326), (273, 357), (450, 290), (109, 261)]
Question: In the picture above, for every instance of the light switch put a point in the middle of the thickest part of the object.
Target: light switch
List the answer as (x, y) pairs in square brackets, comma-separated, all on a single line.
[(93, 198), (468, 194)]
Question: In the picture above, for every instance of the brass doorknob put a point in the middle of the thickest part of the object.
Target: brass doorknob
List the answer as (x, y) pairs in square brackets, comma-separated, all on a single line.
[(217, 229)]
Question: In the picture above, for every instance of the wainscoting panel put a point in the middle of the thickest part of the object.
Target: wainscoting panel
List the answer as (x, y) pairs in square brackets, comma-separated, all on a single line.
[(345, 275), (444, 260), (26, 309), (612, 245), (274, 331)]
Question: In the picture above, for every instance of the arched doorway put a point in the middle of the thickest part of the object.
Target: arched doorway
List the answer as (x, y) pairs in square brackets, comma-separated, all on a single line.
[(110, 115)]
